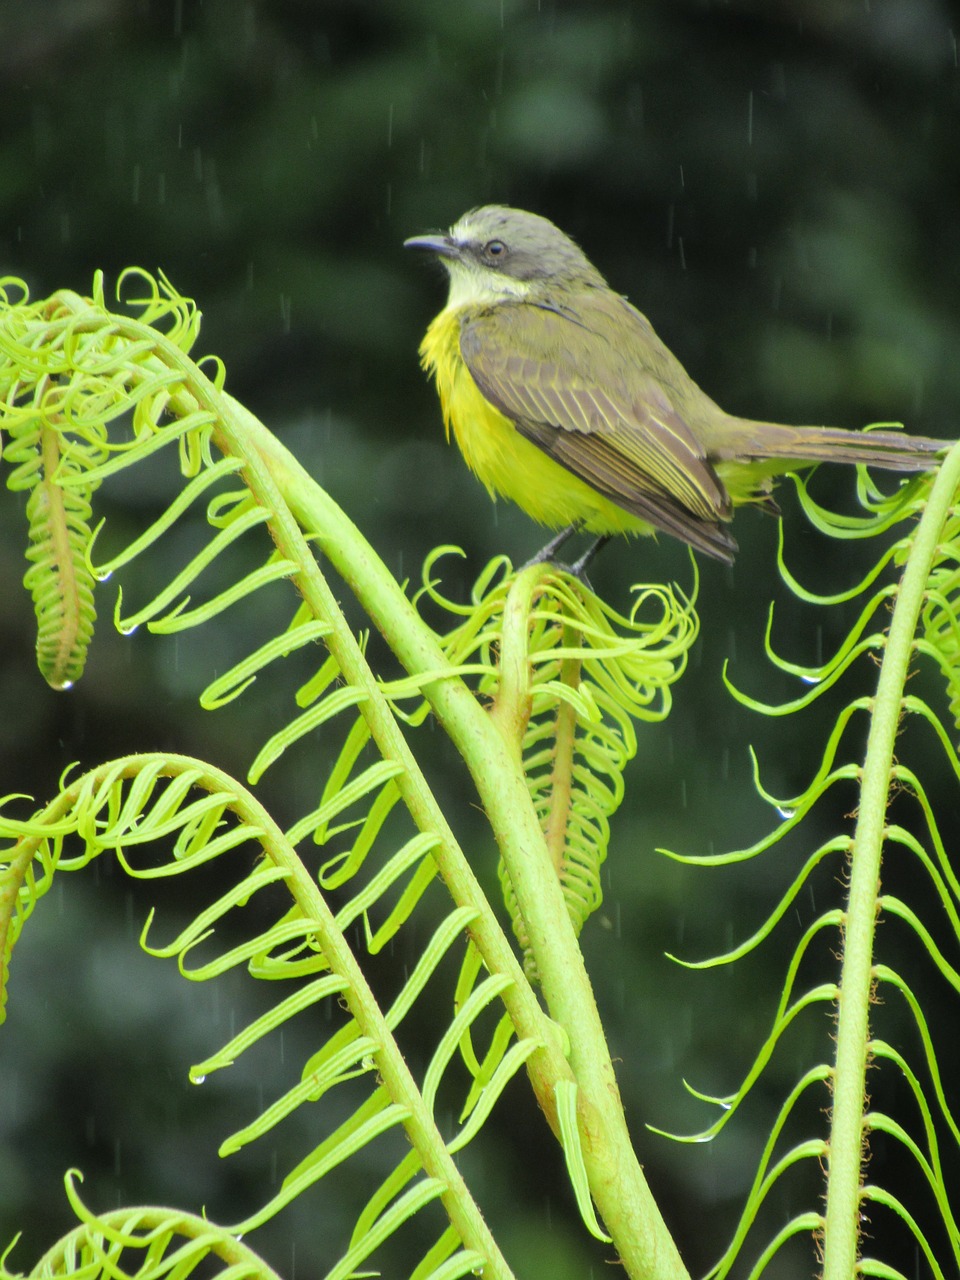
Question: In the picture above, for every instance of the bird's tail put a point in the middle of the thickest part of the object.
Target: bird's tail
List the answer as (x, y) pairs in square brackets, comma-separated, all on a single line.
[(747, 441)]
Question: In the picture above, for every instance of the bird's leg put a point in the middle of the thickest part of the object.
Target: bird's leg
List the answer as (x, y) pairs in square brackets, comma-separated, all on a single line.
[(547, 553), (579, 567)]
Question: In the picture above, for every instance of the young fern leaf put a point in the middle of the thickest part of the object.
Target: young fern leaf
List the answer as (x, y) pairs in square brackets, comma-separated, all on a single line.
[(53, 470), (147, 1244), (924, 599), (61, 385), (547, 655), (121, 807), (566, 677), (940, 619), (129, 805)]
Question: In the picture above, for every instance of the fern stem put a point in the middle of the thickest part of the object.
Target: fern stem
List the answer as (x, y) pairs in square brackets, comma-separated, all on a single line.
[(845, 1159), (55, 522), (296, 503), (281, 486), (616, 1180), (341, 641), (562, 788), (146, 1223)]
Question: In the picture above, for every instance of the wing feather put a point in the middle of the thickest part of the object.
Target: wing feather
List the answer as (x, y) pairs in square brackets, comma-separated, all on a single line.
[(587, 457), (586, 389)]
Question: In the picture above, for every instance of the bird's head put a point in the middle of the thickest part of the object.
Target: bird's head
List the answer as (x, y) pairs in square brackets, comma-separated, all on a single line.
[(496, 253)]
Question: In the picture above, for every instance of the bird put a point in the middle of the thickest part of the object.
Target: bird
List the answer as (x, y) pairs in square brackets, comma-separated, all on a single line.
[(563, 399)]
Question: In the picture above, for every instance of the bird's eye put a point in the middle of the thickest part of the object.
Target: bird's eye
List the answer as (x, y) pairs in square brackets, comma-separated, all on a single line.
[(494, 249)]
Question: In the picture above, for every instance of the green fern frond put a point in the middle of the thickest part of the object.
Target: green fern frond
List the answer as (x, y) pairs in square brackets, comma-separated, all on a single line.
[(129, 805), (940, 619), (881, 511), (873, 1195), (67, 372), (59, 580), (546, 654), (768, 1173), (54, 470), (566, 676), (174, 404), (145, 1243), (925, 549)]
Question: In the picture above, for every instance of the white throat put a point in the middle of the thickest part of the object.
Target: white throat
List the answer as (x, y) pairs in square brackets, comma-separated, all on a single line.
[(476, 286)]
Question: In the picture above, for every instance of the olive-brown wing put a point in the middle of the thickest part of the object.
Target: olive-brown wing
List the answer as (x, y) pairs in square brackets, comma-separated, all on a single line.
[(579, 385)]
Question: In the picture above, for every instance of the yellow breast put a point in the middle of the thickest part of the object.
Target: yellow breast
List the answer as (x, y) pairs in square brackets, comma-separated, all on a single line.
[(497, 454)]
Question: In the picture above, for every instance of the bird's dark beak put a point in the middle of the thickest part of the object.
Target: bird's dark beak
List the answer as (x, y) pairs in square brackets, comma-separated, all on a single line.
[(443, 246)]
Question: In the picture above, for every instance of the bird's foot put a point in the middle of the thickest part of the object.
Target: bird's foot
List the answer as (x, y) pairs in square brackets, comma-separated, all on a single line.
[(578, 569), (546, 553)]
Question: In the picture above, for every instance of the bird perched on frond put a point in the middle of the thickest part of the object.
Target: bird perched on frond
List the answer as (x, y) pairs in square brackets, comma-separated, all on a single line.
[(563, 399)]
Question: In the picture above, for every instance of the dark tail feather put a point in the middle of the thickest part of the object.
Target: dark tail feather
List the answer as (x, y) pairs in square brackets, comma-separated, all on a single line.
[(760, 441)]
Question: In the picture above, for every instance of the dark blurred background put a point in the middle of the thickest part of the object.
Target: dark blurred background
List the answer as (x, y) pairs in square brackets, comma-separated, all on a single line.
[(775, 184)]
